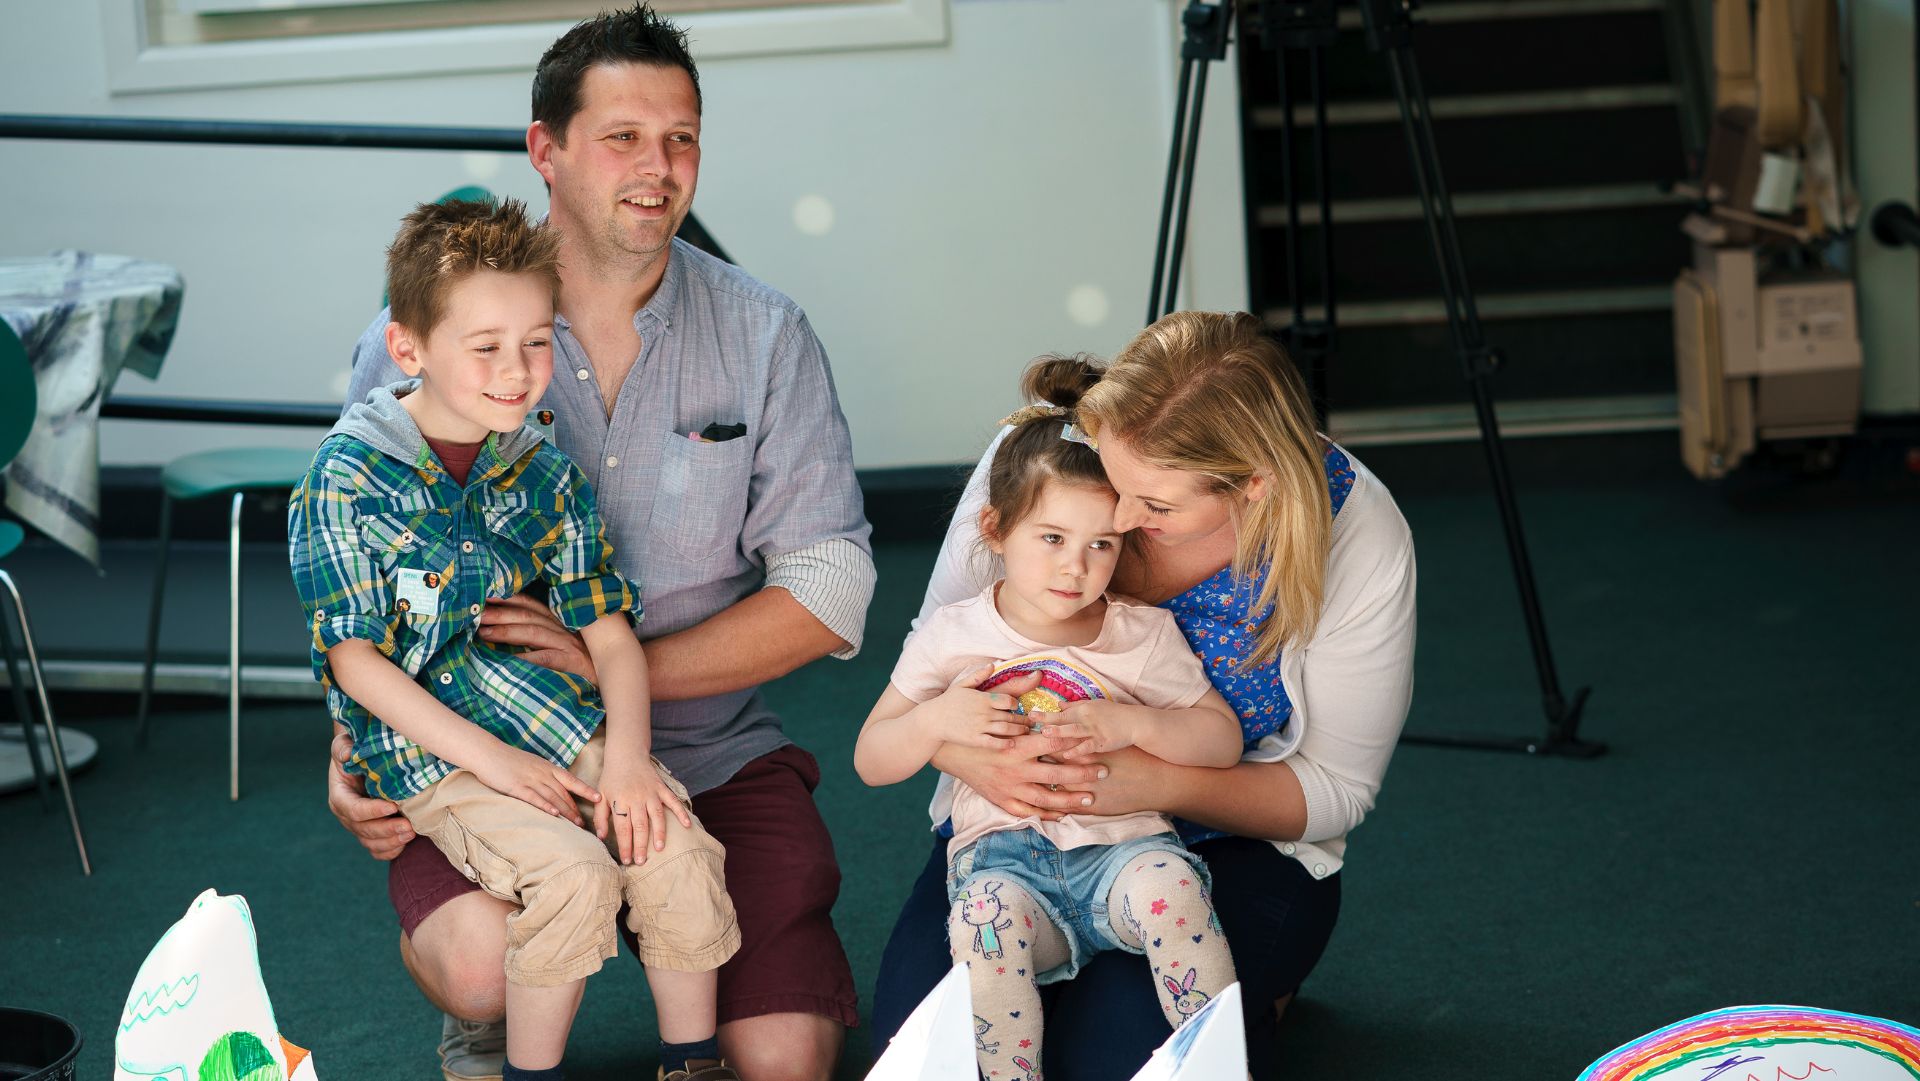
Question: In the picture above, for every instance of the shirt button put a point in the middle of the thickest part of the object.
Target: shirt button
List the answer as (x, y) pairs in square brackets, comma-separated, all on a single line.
[(466, 546), (612, 460), (320, 617), (583, 375), (475, 610), (407, 537), (1319, 870), (446, 678), (1287, 848)]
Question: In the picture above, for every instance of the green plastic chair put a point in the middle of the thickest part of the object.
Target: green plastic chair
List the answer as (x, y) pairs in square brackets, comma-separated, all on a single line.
[(232, 472), (19, 401)]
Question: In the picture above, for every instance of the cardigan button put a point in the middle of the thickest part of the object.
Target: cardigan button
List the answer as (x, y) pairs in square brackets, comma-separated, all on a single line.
[(1287, 848)]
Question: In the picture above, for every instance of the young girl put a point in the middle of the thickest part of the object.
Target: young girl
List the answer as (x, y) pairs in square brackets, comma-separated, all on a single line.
[(1033, 900)]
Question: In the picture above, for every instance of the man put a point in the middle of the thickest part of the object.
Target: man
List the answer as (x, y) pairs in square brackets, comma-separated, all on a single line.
[(700, 406)]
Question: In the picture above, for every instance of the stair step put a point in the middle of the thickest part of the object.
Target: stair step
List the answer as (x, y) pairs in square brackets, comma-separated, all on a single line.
[(1461, 106), (1482, 204), (1567, 355), (1506, 253), (1575, 48), (1518, 419), (1529, 305), (1493, 153)]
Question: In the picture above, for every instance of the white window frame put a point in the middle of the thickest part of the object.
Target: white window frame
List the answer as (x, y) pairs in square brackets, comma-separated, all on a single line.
[(137, 66)]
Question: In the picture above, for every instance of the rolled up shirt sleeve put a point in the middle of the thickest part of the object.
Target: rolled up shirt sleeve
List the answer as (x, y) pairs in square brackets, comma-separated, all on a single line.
[(582, 582), (833, 581), (341, 588)]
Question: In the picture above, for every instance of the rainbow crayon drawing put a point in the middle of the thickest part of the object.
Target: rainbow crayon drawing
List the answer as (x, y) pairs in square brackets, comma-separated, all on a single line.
[(1768, 1043), (1060, 683)]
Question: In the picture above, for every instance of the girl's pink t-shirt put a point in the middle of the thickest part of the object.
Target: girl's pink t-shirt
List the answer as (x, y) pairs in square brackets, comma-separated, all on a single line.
[(1139, 658)]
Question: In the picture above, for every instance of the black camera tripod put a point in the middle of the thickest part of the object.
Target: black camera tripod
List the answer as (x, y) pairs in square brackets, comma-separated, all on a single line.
[(1306, 29)]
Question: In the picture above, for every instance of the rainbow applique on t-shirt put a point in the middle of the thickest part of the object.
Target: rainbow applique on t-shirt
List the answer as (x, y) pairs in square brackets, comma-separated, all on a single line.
[(1060, 683)]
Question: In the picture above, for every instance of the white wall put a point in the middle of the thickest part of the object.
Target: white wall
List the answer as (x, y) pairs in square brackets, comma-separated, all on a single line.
[(974, 187)]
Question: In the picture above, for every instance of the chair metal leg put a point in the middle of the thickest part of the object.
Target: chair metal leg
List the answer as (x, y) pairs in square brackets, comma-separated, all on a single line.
[(153, 616), (233, 646), (19, 688), (46, 711)]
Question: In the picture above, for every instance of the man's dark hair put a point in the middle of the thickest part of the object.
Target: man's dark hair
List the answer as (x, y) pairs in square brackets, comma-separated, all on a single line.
[(636, 35)]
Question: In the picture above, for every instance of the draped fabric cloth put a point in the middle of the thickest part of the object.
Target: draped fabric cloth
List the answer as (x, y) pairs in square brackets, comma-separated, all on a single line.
[(84, 318)]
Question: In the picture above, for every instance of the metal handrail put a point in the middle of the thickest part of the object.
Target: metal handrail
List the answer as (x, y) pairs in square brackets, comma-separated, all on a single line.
[(128, 129), (132, 129), (223, 411)]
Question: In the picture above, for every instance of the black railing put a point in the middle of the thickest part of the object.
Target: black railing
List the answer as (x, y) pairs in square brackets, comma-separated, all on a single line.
[(126, 129)]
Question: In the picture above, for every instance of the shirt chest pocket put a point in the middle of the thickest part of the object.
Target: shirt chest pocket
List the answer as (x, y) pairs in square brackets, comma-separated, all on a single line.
[(408, 538), (701, 505), (405, 531), (528, 520)]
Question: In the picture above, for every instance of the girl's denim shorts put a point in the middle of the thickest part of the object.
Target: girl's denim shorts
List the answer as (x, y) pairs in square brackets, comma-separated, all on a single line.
[(1070, 885)]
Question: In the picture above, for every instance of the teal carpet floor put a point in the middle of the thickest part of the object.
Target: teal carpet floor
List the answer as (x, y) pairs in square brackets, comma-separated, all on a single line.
[(1752, 834)]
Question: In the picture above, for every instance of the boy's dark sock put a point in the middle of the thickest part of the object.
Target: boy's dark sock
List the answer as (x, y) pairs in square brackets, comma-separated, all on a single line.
[(515, 1073), (675, 1056)]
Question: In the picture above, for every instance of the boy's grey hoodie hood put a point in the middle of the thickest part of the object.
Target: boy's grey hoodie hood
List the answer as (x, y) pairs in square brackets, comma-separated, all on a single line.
[(384, 424)]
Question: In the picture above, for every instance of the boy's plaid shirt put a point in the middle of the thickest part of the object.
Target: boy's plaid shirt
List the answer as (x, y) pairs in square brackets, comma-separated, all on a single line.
[(362, 516)]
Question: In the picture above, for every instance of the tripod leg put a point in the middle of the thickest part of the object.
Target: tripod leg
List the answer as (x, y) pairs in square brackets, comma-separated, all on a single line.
[(1563, 717), (1173, 183), (1186, 188)]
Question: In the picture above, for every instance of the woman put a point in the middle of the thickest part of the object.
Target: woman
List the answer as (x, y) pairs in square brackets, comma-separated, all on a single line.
[(1205, 430)]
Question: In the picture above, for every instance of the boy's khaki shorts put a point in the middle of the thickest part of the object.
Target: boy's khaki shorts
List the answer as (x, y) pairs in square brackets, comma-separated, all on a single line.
[(569, 884)]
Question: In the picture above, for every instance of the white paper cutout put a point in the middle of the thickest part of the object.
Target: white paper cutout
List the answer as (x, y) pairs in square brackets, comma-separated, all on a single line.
[(198, 1010)]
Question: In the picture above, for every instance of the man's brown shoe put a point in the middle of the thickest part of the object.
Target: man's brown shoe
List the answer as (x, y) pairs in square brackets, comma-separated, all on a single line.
[(701, 1069)]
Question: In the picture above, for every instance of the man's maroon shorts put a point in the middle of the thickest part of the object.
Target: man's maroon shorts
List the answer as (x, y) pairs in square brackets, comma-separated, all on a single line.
[(781, 874)]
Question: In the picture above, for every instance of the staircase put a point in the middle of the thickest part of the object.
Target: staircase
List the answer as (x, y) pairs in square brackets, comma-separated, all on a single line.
[(1557, 122)]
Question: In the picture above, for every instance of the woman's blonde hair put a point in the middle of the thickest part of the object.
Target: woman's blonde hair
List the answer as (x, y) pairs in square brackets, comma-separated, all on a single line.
[(1211, 393)]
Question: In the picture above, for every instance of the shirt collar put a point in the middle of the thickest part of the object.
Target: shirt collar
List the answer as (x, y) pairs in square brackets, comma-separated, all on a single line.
[(659, 308)]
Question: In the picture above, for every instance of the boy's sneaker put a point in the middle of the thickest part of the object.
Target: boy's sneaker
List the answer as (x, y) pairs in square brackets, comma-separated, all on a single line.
[(701, 1069), (472, 1050)]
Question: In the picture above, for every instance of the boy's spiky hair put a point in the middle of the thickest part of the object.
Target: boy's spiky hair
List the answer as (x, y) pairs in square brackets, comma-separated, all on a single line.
[(440, 244)]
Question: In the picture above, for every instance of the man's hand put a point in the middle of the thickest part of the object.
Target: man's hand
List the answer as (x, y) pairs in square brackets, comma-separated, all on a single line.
[(532, 779), (521, 620), (376, 823), (1016, 782), (967, 717), (635, 802)]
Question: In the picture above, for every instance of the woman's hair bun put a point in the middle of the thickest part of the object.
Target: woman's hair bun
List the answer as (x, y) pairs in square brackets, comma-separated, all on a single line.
[(1060, 380)]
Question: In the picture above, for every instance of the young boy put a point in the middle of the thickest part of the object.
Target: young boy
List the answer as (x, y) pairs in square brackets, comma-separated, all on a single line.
[(425, 501)]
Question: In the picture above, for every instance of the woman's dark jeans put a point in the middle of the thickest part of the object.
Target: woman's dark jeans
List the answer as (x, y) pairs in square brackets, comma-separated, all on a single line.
[(1103, 1024)]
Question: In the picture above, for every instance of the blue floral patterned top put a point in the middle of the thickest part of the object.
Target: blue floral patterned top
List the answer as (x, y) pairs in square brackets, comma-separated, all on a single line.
[(1214, 617)]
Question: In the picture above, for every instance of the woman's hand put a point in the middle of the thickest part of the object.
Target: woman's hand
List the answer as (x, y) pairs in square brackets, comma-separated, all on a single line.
[(376, 823), (532, 779), (635, 803), (521, 620), (1132, 780), (967, 717), (1014, 780)]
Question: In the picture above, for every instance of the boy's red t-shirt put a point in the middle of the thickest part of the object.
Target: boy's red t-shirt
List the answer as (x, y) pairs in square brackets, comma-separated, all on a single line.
[(456, 458)]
